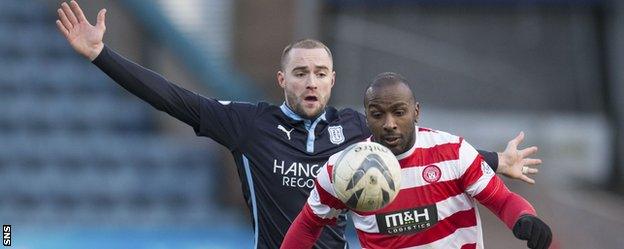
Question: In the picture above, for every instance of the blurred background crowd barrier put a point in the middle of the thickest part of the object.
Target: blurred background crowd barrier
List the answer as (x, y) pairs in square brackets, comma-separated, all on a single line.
[(83, 164)]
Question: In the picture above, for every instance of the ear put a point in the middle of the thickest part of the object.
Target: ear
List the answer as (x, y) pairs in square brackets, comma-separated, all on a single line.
[(416, 112), (281, 80), (333, 78)]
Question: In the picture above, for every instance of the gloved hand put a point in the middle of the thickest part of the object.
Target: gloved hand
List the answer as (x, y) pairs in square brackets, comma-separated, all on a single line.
[(534, 231)]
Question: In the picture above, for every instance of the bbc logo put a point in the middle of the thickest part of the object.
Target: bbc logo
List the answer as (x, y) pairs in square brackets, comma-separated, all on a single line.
[(6, 235)]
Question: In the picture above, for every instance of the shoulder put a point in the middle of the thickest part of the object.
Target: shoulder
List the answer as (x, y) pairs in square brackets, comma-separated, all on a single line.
[(235, 105), (428, 137), (259, 108), (348, 112), (349, 117), (333, 114)]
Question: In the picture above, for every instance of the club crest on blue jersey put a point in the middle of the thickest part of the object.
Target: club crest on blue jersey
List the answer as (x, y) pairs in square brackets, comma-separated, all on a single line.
[(335, 134)]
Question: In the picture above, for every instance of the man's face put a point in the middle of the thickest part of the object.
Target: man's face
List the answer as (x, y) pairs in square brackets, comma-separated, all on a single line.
[(307, 79), (391, 115)]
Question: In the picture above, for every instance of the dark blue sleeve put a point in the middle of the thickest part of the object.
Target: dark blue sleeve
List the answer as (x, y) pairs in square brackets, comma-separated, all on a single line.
[(491, 158), (225, 123)]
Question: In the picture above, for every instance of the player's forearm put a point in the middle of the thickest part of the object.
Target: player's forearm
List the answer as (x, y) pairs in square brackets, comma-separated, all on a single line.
[(304, 231), (507, 206), (150, 86), (491, 158)]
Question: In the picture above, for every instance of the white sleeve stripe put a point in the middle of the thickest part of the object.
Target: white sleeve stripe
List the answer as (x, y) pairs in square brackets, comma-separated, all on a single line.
[(366, 223), (467, 155), (314, 200), (323, 180), (478, 186), (320, 209)]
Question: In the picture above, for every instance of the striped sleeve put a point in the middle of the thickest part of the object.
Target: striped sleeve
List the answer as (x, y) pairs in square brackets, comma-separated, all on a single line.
[(480, 182), (475, 173), (322, 208), (322, 200)]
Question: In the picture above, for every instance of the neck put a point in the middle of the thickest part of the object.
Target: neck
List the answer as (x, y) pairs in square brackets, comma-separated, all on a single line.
[(302, 116), (412, 144)]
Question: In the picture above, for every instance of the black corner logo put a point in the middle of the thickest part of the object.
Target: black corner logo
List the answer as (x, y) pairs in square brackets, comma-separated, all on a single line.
[(6, 235)]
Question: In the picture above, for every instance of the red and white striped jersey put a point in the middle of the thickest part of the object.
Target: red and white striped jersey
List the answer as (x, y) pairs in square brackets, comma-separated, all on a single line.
[(442, 175)]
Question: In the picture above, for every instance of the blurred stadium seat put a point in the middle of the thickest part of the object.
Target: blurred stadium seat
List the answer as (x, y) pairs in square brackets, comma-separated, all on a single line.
[(74, 150)]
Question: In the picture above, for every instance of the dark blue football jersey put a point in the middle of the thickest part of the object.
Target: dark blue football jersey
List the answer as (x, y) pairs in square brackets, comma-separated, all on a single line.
[(277, 153)]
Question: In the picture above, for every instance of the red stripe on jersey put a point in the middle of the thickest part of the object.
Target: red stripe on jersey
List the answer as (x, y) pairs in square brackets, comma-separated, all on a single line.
[(421, 196), (327, 198), (426, 129), (469, 246), (473, 173), (438, 231), (329, 172), (435, 154)]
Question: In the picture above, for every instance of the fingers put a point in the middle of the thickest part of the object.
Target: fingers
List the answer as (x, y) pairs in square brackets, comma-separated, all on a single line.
[(541, 241), (531, 162), (528, 151), (69, 13), (101, 19), (78, 11), (62, 28), (536, 232), (531, 171), (548, 236), (530, 228), (517, 140), (527, 179), (64, 19), (547, 241), (522, 230)]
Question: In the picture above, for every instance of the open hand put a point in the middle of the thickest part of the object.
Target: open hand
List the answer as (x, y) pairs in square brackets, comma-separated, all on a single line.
[(514, 163), (85, 38)]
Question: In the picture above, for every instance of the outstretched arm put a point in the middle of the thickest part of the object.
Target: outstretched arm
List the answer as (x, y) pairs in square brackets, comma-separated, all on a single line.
[(86, 39), (224, 122), (517, 213)]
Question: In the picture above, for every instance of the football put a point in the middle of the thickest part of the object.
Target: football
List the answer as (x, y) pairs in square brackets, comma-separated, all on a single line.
[(367, 176)]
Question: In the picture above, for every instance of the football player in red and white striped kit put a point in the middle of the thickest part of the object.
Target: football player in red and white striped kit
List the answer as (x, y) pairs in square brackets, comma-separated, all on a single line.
[(442, 178)]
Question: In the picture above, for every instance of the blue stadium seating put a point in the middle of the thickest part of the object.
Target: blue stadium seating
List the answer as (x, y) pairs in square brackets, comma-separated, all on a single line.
[(75, 149)]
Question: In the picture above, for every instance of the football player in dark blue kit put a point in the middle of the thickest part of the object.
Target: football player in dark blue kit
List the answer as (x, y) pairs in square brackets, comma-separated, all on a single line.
[(278, 149)]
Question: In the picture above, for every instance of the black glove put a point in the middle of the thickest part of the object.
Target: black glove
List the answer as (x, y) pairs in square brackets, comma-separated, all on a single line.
[(534, 231)]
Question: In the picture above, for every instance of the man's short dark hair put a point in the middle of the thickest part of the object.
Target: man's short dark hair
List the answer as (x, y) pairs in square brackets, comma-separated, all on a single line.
[(388, 78), (304, 43)]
